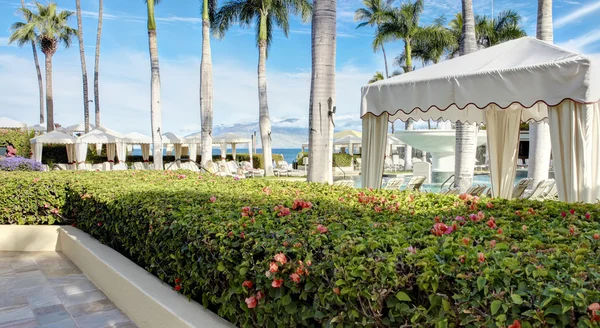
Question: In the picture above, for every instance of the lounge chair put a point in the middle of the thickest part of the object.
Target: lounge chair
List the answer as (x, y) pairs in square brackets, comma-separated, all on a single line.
[(539, 191), (552, 192), (252, 172), (415, 183), (393, 184), (61, 167), (344, 183), (282, 169), (357, 164), (388, 164), (450, 191), (84, 167), (138, 166), (97, 167), (191, 166), (398, 163), (520, 187), (120, 167)]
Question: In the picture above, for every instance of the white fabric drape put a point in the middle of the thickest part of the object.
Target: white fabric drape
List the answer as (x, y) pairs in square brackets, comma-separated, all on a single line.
[(223, 150), (111, 152), (374, 136), (169, 149), (575, 135), (70, 153), (145, 152), (81, 152), (121, 152), (177, 151), (250, 153), (37, 152), (193, 150), (503, 128), (233, 151), (350, 149), (129, 150), (99, 149)]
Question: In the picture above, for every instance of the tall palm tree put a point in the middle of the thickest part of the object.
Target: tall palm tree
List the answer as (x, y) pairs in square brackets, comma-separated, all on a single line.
[(466, 133), (51, 29), (206, 88), (372, 15), (539, 132), (322, 92), (403, 24), (263, 14), (21, 40), (97, 66), (155, 107), (378, 76), (86, 103), (429, 51)]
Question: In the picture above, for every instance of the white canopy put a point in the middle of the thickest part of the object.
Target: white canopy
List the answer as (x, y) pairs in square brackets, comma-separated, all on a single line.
[(500, 86), (111, 132), (194, 138), (345, 133), (54, 137), (78, 127), (230, 138), (98, 136), (137, 138), (38, 127), (9, 123), (348, 139), (172, 138)]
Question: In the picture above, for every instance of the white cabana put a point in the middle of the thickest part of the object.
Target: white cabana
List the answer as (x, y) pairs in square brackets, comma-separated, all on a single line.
[(54, 138), (520, 80), (193, 141), (9, 123), (114, 144), (135, 138), (77, 128), (346, 133), (232, 139), (38, 128), (348, 141), (175, 140)]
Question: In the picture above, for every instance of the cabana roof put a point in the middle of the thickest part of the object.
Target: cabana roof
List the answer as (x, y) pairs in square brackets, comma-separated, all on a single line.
[(9, 123), (98, 136), (525, 72), (230, 138), (137, 138), (54, 137)]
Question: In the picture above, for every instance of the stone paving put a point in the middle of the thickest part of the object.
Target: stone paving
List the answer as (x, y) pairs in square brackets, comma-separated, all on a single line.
[(45, 289)]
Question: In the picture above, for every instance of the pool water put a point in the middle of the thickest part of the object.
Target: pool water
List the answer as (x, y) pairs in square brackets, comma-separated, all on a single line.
[(479, 179)]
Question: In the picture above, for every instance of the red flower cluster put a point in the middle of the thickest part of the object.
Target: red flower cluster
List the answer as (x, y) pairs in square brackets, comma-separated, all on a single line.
[(181, 176), (247, 284), (515, 324), (492, 223), (364, 199), (177, 284), (213, 199), (252, 302), (267, 190), (322, 229), (594, 307), (282, 210), (481, 257), (247, 211), (440, 229), (276, 283), (300, 205)]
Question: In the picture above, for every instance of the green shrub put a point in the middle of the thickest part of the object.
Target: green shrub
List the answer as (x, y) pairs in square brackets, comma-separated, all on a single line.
[(339, 159), (19, 139), (369, 258)]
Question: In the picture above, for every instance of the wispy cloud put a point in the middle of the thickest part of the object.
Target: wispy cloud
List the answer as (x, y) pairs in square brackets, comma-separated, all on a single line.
[(3, 42), (575, 15), (578, 44)]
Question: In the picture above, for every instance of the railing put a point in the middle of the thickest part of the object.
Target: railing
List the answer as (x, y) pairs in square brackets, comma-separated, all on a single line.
[(339, 167), (447, 180)]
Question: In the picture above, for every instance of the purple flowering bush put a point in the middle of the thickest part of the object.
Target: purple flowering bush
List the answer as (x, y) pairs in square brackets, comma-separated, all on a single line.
[(19, 164)]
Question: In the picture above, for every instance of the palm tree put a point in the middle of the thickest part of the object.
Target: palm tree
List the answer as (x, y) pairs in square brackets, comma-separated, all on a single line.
[(206, 89), (155, 108), (97, 67), (263, 14), (86, 103), (378, 76), (427, 50), (539, 132), (31, 37), (372, 15), (466, 133), (51, 29), (322, 92)]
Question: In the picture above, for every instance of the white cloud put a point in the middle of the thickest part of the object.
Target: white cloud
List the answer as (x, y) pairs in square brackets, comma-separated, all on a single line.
[(125, 91), (577, 14), (578, 44), (4, 42)]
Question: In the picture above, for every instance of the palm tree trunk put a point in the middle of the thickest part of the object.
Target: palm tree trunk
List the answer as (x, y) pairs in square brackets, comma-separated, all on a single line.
[(86, 103), (540, 148), (322, 92), (155, 107), (466, 133), (408, 125), (264, 119), (49, 99), (97, 67), (206, 89), (387, 74), (40, 82), (39, 76)]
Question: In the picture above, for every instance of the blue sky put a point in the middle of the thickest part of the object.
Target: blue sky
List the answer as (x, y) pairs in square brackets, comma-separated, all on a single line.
[(124, 70)]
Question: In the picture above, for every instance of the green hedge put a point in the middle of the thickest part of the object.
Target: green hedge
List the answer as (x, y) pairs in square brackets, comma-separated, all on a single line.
[(19, 139), (368, 258), (339, 159)]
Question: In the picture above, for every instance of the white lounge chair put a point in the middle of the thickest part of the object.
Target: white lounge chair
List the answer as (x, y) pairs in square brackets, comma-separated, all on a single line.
[(84, 167), (344, 183), (98, 167), (520, 188), (120, 167), (398, 162), (251, 172), (138, 166), (415, 183), (538, 192), (393, 184)]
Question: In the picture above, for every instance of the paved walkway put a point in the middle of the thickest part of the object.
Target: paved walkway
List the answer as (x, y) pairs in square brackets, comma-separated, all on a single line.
[(45, 289)]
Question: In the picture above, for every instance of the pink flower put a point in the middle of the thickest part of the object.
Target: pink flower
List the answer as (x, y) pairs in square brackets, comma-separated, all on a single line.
[(489, 205), (440, 229), (466, 241), (99, 224), (524, 227), (259, 295), (596, 236), (213, 199), (336, 290), (251, 302), (295, 277), (177, 288), (273, 267), (276, 283), (563, 214), (588, 216), (481, 257), (412, 249), (377, 209), (460, 220), (493, 243), (247, 284), (500, 231), (281, 258), (181, 176), (267, 190), (322, 229), (491, 223), (474, 217), (481, 215), (572, 211)]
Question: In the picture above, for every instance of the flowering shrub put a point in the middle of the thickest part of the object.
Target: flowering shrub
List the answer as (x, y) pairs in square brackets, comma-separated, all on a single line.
[(350, 258), (16, 163)]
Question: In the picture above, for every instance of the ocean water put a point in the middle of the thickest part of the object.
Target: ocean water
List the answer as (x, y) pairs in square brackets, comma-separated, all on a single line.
[(289, 154)]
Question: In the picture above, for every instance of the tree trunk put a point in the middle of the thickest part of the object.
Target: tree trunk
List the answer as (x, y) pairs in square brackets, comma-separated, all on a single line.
[(97, 67), (322, 92), (155, 107), (408, 125), (466, 133), (387, 74), (264, 119), (206, 90), (40, 82), (540, 148), (49, 99), (86, 103)]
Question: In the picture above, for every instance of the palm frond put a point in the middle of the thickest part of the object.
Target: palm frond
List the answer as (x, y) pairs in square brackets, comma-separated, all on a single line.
[(236, 11)]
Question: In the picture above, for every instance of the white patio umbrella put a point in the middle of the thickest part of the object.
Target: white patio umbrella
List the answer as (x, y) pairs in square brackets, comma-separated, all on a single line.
[(54, 138), (501, 86), (9, 123)]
